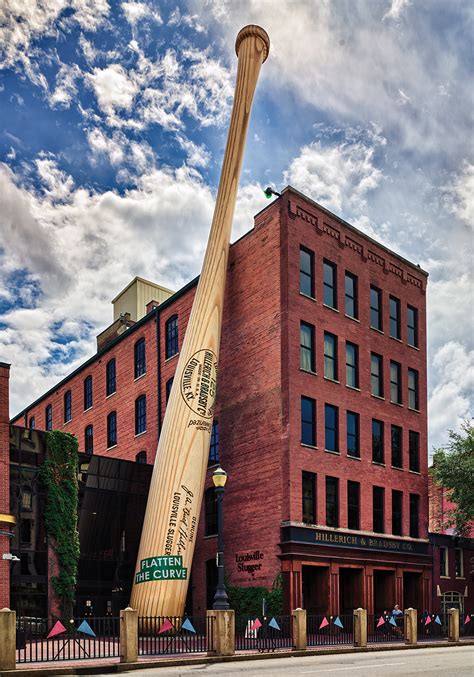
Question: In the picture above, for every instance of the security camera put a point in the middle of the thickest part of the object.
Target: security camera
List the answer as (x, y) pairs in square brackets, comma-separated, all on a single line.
[(12, 558)]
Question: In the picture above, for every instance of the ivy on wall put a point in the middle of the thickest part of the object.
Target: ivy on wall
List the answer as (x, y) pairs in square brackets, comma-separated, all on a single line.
[(248, 601), (58, 474)]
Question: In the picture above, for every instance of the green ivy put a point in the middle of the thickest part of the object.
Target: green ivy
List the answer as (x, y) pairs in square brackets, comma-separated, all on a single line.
[(248, 601), (58, 474)]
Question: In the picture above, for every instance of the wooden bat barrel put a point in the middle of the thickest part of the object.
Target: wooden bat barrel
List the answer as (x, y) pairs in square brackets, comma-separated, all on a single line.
[(174, 500)]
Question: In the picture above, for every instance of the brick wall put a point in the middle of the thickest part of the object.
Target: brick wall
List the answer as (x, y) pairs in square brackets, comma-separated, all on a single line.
[(4, 484)]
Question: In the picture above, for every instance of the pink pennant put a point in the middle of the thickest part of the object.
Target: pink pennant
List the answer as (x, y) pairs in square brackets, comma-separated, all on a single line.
[(165, 627), (57, 629), (324, 622), (381, 621), (256, 625), (467, 619), (428, 620)]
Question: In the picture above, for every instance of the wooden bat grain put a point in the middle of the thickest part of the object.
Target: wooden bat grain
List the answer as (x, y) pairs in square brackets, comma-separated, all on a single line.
[(177, 484)]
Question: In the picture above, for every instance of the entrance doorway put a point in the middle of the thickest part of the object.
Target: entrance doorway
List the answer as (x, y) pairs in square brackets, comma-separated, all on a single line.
[(384, 591), (316, 589), (350, 590), (412, 590)]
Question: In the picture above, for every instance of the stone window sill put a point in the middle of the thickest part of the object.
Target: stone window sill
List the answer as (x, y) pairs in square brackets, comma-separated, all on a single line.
[(335, 310)]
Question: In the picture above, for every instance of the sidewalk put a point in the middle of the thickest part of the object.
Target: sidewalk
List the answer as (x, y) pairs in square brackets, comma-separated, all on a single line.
[(107, 665)]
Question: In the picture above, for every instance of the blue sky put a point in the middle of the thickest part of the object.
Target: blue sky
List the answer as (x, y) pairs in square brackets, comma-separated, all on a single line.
[(113, 118)]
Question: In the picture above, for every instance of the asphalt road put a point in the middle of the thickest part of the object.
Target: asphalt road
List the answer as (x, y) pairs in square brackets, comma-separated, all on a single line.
[(457, 661)]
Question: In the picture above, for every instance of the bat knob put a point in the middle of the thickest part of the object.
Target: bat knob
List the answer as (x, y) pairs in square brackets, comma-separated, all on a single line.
[(253, 31)]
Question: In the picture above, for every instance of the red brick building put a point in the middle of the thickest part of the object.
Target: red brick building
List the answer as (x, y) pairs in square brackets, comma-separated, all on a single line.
[(321, 413)]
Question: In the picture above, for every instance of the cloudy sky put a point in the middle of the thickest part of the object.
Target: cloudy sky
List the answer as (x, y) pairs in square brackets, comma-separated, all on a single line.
[(113, 117)]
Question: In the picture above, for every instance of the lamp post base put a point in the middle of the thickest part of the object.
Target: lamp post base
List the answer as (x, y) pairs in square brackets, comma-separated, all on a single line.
[(221, 601)]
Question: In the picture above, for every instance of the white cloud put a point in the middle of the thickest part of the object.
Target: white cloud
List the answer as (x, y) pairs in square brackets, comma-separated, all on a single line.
[(57, 185), (66, 87), (138, 11), (197, 155), (113, 88), (459, 194), (396, 9), (189, 20)]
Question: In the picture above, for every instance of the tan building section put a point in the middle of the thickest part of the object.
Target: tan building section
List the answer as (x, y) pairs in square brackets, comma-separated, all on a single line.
[(135, 297)]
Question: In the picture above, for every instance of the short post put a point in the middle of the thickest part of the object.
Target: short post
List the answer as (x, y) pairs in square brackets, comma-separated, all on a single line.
[(453, 625), (411, 628), (360, 627), (220, 632), (7, 639), (300, 637), (128, 635)]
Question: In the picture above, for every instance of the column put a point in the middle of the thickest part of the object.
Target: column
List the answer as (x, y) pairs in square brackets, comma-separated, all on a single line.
[(128, 635), (7, 639), (300, 637), (360, 627)]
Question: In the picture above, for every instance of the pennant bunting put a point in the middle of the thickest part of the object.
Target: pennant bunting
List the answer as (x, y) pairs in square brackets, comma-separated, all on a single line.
[(467, 619), (187, 625), (392, 621), (165, 627), (86, 629), (324, 622), (428, 620), (57, 629), (381, 621), (256, 625), (273, 624), (337, 621), (438, 620)]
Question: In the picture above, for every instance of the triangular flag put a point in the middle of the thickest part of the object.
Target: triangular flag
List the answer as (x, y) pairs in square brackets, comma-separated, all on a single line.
[(337, 621), (467, 619), (392, 621), (324, 622), (381, 621), (165, 627), (428, 620), (187, 625), (57, 629), (273, 624), (438, 620), (256, 625), (86, 629)]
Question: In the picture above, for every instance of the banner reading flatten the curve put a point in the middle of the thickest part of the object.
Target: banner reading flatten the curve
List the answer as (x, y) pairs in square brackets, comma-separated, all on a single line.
[(162, 568)]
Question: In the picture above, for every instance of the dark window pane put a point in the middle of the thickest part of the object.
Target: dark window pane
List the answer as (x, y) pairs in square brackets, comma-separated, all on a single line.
[(171, 336), (306, 272), (376, 308), (413, 402), (307, 347), (141, 457), (377, 441), (67, 406), (330, 356), (89, 440), (332, 502), (351, 295), (111, 384), (378, 509), (140, 415), (397, 452), (331, 442), (394, 312), (169, 383), (214, 446), (376, 375), (330, 284), (112, 429), (395, 383), (32, 423), (352, 365), (309, 497), (87, 392), (414, 515), (308, 421), (397, 503), (353, 505), (414, 451), (140, 358), (412, 326), (353, 446), (48, 416)]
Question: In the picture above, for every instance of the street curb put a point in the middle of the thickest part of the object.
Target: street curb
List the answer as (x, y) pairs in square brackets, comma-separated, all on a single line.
[(117, 668)]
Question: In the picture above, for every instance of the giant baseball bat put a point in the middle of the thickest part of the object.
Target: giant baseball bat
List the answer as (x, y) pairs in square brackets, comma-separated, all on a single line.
[(177, 484)]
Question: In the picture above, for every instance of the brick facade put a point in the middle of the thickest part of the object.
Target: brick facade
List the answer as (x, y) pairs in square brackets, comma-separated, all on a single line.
[(258, 408), (4, 484)]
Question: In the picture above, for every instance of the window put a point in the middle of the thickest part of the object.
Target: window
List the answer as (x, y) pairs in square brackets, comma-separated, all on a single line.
[(32, 423), (306, 272), (110, 378), (67, 406), (112, 429), (140, 358), (443, 562), (412, 326), (353, 505), (308, 421), (171, 336), (394, 314), (48, 417), (332, 502), (458, 563), (397, 503), (352, 365), (89, 439), (413, 402), (395, 383), (309, 497), (307, 347), (169, 383), (140, 457), (353, 444), (330, 356), (376, 374), (87, 392), (378, 497), (210, 512), (377, 441), (376, 308), (414, 451), (331, 439), (214, 446), (414, 515), (397, 449), (140, 415), (350, 288), (330, 284), (26, 499)]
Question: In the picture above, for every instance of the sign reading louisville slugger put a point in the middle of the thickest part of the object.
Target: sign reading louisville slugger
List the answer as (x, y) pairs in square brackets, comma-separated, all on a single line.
[(177, 484)]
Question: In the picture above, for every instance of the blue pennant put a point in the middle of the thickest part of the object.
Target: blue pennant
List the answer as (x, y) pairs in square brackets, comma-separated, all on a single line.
[(273, 624), (438, 620), (187, 625), (392, 621), (86, 629), (337, 621)]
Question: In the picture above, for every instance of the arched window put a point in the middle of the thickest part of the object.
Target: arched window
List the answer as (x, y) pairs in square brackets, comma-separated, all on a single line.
[(169, 383), (140, 415), (110, 377), (67, 406), (140, 358), (32, 423), (48, 417), (171, 336), (112, 429), (87, 392), (141, 457), (214, 447), (89, 439)]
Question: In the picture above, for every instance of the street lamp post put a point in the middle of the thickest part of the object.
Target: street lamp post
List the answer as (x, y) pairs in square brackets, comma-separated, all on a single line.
[(221, 601)]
